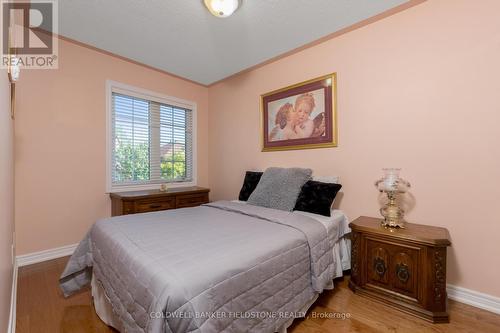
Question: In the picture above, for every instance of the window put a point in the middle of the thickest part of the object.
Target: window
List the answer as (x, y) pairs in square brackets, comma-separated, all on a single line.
[(150, 139)]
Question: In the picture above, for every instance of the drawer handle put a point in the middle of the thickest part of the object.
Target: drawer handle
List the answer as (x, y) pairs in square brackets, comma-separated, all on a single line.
[(402, 272), (379, 266), (153, 206)]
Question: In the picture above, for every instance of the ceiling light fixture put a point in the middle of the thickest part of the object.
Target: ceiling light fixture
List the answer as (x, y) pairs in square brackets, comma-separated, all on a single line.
[(222, 8)]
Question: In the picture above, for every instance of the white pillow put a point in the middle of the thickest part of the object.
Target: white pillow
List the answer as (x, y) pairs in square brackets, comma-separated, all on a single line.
[(327, 179)]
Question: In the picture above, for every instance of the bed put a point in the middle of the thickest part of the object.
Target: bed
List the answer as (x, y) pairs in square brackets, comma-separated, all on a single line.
[(226, 266), (209, 268)]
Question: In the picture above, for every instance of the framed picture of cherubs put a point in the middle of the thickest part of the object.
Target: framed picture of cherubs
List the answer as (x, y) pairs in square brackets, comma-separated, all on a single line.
[(300, 116)]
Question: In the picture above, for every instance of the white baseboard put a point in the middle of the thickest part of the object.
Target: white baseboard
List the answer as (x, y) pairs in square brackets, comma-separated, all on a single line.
[(474, 298), (28, 259), (13, 302), (36, 257)]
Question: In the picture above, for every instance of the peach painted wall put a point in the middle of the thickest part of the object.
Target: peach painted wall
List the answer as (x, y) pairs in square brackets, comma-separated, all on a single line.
[(6, 199), (60, 142), (417, 90)]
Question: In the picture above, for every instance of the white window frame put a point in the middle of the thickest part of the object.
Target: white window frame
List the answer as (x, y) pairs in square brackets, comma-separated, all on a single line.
[(125, 89)]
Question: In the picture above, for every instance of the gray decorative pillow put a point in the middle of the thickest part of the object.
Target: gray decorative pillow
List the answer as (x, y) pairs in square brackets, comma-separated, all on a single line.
[(279, 188)]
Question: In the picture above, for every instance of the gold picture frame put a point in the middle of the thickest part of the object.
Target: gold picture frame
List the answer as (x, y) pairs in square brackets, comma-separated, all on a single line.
[(286, 115)]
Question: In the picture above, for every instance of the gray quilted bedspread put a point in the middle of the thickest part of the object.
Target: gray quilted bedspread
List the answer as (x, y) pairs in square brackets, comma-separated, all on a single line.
[(221, 267)]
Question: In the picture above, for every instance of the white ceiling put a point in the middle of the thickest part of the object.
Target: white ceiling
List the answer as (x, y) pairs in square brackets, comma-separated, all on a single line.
[(183, 38)]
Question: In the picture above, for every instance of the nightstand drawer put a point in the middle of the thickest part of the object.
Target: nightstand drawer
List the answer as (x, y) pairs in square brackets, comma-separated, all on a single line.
[(150, 205), (191, 200)]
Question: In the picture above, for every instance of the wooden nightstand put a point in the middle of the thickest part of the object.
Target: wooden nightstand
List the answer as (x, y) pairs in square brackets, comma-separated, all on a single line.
[(124, 203), (403, 268)]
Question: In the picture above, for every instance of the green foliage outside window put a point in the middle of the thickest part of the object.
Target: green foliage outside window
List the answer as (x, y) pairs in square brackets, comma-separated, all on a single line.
[(132, 163), (173, 168)]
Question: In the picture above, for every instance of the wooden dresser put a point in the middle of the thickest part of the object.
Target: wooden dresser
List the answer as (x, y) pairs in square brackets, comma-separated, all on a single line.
[(403, 268), (124, 203)]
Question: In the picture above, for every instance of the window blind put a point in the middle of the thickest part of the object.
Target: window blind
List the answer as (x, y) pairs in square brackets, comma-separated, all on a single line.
[(152, 142)]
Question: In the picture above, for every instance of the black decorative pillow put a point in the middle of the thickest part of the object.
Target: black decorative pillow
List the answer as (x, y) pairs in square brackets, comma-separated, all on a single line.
[(252, 178), (317, 197)]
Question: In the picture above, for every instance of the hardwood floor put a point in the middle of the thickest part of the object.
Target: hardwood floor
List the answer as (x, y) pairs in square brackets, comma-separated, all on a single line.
[(42, 308)]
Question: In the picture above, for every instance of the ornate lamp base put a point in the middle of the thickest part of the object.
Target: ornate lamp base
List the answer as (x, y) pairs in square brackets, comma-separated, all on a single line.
[(392, 213), (392, 224)]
